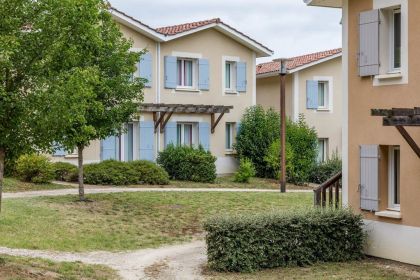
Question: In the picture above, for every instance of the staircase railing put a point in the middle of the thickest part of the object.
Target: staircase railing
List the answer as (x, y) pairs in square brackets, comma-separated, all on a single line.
[(328, 193)]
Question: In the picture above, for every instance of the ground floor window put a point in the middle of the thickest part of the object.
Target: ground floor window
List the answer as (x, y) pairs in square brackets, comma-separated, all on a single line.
[(322, 149), (187, 134), (129, 142), (230, 131), (394, 177)]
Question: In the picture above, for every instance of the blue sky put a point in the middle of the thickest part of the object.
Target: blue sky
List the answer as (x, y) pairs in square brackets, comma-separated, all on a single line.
[(288, 27)]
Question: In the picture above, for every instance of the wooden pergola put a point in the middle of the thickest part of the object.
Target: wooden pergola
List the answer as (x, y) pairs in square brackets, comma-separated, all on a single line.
[(163, 112), (401, 117)]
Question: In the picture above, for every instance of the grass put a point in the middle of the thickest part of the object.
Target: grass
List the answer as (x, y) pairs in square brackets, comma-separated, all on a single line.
[(37, 269), (125, 221), (369, 269), (14, 185)]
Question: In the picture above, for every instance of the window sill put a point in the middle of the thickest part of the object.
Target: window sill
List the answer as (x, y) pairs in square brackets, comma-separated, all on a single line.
[(323, 109), (71, 156), (181, 89), (389, 76), (389, 214), (231, 92), (230, 152)]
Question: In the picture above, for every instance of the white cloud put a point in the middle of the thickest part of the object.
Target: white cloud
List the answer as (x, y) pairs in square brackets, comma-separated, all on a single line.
[(288, 27)]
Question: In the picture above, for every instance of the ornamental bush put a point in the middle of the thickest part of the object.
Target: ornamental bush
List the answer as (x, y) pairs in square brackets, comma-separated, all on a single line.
[(188, 163), (325, 170), (112, 172), (245, 172), (272, 159), (64, 171), (34, 168), (252, 242)]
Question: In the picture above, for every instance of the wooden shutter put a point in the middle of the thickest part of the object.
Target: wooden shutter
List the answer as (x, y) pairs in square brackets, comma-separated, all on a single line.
[(204, 135), (369, 43), (241, 81), (170, 71), (147, 140), (312, 94), (203, 74), (145, 66), (110, 148), (369, 177), (170, 133)]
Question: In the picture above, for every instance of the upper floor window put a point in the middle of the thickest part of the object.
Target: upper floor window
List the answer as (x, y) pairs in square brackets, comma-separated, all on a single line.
[(396, 40), (323, 95), (319, 93), (186, 72), (230, 76)]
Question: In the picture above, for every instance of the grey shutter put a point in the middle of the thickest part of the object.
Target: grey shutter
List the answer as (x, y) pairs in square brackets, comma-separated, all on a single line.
[(241, 76), (369, 177), (369, 43)]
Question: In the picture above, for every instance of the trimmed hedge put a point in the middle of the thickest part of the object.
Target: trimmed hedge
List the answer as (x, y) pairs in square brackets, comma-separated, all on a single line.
[(35, 169), (65, 171), (188, 163), (325, 170), (254, 242), (112, 172)]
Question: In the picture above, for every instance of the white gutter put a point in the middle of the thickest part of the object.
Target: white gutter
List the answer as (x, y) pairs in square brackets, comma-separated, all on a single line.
[(324, 3)]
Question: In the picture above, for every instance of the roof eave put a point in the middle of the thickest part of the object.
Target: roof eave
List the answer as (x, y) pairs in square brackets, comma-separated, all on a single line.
[(324, 3)]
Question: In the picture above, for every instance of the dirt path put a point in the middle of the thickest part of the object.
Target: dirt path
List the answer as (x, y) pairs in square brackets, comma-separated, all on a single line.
[(96, 190), (171, 262)]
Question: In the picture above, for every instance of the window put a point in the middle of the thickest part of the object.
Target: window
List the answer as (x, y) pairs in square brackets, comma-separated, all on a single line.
[(186, 134), (322, 149), (230, 131), (323, 95), (186, 72), (396, 40), (230, 77), (394, 178)]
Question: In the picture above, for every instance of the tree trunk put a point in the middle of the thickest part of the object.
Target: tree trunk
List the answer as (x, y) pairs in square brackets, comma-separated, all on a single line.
[(2, 158), (80, 163)]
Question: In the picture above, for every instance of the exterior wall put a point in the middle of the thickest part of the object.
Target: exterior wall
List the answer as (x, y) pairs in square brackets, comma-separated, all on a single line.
[(389, 238), (328, 123)]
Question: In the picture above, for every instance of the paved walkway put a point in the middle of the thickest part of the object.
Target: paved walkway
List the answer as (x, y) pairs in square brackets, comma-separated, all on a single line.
[(171, 262), (103, 189)]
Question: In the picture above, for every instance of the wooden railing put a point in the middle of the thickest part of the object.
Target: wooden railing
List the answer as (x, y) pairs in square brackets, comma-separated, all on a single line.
[(332, 187)]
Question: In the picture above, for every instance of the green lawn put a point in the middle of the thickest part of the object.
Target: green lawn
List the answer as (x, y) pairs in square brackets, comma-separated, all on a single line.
[(125, 221), (369, 269), (14, 268), (14, 185)]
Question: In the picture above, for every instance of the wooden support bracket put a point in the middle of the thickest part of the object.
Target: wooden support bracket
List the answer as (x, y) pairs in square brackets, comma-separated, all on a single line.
[(159, 121), (215, 123), (409, 139), (163, 124)]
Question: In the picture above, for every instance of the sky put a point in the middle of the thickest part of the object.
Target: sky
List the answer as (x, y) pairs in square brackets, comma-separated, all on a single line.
[(288, 27)]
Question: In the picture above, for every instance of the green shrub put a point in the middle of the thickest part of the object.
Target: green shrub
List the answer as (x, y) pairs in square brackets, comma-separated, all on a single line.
[(149, 173), (259, 129), (65, 171), (188, 163), (325, 170), (270, 240), (35, 169), (112, 172), (245, 172), (272, 159)]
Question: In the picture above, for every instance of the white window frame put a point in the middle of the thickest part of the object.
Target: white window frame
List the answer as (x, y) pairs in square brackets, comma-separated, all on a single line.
[(325, 85), (391, 178), (232, 135), (329, 81), (325, 148), (194, 84), (392, 67), (231, 88), (194, 133), (225, 91)]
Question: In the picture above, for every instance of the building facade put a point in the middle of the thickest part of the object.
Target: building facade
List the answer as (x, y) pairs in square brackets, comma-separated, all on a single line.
[(313, 89), (200, 79), (381, 157)]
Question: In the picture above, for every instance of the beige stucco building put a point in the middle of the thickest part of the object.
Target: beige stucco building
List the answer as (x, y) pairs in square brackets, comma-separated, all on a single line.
[(313, 89), (381, 164), (201, 78)]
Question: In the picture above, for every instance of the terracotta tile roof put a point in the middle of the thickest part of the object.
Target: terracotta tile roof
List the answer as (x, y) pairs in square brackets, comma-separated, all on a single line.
[(180, 28), (298, 61)]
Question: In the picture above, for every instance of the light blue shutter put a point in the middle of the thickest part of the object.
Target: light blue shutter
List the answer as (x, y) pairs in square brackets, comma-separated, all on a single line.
[(369, 43), (147, 140), (238, 128), (110, 148), (60, 152), (241, 77), (204, 135), (203, 74), (170, 133), (312, 94), (145, 66), (369, 177), (170, 71)]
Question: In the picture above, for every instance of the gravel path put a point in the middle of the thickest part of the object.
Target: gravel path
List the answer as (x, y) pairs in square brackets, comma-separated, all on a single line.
[(93, 190), (172, 262)]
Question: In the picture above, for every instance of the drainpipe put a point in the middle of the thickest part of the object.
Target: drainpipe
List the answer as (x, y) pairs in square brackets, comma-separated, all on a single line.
[(158, 92)]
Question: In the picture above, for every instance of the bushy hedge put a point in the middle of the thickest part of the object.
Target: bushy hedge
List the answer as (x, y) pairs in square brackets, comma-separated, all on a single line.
[(111, 172), (245, 172), (64, 171), (188, 163), (34, 168), (254, 242), (272, 159), (325, 170)]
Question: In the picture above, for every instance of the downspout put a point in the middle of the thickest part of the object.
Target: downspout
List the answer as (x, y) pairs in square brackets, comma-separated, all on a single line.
[(158, 93)]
